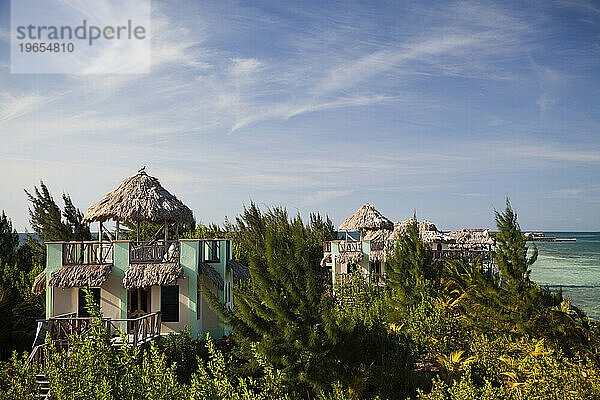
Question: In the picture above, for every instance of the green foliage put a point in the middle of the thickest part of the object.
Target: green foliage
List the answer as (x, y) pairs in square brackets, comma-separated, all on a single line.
[(451, 331), (411, 270), (52, 224), (182, 350), (19, 307), (9, 240), (523, 369), (286, 308)]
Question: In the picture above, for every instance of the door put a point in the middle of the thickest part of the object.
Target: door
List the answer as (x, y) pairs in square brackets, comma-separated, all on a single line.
[(138, 302)]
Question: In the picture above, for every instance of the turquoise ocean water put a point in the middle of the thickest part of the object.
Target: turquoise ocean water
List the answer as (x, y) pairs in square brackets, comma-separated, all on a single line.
[(572, 266)]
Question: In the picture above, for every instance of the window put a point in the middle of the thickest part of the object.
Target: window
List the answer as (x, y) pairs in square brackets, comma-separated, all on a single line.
[(212, 252), (82, 311), (169, 303)]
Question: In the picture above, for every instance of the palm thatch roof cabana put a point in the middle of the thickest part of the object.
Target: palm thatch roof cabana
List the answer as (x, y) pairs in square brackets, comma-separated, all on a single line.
[(472, 239), (400, 228), (240, 272), (39, 283), (144, 275), (212, 274), (80, 275), (137, 199), (366, 217)]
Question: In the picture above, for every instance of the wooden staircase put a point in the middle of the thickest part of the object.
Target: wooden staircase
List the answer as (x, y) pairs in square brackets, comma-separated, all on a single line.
[(43, 386)]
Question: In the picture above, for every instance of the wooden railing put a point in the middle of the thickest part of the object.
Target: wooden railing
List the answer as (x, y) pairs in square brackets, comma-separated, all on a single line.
[(87, 253), (377, 245), (140, 330), (373, 278), (154, 252), (61, 329), (350, 246), (466, 254), (326, 247)]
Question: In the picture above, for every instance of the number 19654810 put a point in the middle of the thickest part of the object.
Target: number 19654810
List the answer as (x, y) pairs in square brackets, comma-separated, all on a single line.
[(49, 47)]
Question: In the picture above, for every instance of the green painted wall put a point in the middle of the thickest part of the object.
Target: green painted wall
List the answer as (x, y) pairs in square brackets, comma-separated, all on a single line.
[(189, 258), (53, 264), (120, 266)]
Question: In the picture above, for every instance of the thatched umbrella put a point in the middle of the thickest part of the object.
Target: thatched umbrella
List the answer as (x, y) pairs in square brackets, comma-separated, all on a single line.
[(140, 198), (366, 217), (137, 199)]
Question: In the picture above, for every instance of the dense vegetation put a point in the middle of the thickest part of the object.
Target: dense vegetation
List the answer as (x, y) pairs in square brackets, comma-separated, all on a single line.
[(450, 330)]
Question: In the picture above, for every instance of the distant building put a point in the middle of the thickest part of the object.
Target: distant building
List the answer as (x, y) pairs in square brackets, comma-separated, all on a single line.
[(368, 239)]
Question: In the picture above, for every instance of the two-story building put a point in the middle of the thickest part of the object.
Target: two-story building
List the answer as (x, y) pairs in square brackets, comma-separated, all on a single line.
[(154, 286)]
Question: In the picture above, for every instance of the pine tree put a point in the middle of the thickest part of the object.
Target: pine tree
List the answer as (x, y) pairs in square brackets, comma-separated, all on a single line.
[(46, 217), (412, 271), (286, 308), (528, 302), (9, 240), (511, 253)]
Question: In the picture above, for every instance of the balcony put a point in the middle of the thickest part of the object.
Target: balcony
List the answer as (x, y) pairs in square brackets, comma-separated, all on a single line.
[(154, 252), (350, 246), (78, 253)]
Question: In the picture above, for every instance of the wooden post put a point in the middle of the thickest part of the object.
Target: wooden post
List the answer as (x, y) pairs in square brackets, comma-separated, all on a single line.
[(137, 228), (100, 234), (118, 230), (166, 237)]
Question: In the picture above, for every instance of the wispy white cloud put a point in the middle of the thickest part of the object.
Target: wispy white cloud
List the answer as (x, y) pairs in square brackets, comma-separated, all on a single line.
[(578, 192), (12, 107), (322, 196), (549, 152), (380, 61), (417, 105), (286, 111)]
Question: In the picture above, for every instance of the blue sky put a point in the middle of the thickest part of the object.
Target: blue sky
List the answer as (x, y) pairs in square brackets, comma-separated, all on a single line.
[(445, 108)]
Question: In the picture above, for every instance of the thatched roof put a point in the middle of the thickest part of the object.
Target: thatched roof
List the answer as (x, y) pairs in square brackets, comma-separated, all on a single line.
[(377, 235), (366, 217), (137, 199), (212, 274), (475, 239), (151, 274), (240, 272), (436, 237), (80, 275), (349, 257), (400, 228), (39, 283)]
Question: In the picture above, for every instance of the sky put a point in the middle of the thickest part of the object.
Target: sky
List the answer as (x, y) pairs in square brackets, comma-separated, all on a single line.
[(443, 108)]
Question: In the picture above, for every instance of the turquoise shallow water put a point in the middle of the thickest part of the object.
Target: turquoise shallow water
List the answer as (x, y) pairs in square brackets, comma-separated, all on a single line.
[(572, 266)]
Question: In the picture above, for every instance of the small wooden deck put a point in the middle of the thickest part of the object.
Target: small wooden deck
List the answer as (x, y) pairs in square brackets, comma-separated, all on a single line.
[(62, 328)]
